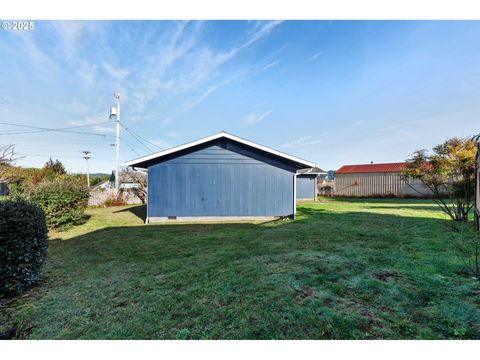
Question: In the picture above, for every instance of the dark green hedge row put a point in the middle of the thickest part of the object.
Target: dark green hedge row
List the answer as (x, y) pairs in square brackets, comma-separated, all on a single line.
[(23, 245)]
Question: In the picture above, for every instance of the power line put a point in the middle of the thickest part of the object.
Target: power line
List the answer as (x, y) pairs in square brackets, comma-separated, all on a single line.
[(64, 128), (19, 132), (146, 140), (135, 134), (140, 141), (59, 142), (130, 146), (64, 156), (44, 129)]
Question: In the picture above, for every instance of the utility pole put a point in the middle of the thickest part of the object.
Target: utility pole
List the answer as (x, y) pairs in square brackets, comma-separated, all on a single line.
[(86, 157), (117, 142)]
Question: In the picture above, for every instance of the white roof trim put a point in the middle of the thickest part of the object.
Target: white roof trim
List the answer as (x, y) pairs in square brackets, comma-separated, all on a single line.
[(214, 137), (311, 171)]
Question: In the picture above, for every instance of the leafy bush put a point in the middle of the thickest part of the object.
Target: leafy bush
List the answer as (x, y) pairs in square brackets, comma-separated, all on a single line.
[(21, 181), (64, 201), (23, 245), (114, 201)]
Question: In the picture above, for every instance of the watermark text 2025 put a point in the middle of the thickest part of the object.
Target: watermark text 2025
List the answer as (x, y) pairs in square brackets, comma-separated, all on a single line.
[(18, 25)]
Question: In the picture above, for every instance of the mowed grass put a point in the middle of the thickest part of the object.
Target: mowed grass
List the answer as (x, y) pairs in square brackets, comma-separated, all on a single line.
[(346, 269)]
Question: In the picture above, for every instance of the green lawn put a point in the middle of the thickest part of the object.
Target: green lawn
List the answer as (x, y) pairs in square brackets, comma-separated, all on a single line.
[(346, 269)]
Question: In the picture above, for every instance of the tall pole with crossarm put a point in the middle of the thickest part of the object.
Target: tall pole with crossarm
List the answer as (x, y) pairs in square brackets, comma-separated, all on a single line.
[(117, 142), (86, 157)]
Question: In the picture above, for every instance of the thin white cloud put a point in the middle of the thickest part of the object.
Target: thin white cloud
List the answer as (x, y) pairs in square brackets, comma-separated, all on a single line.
[(192, 103), (87, 72), (300, 142), (444, 117), (317, 55), (269, 65), (262, 31), (185, 64), (205, 62), (70, 33), (179, 43), (116, 73), (254, 118), (28, 48)]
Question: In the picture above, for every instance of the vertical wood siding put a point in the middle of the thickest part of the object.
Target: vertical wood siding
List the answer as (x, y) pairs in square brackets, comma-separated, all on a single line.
[(377, 184), (306, 186), (221, 179)]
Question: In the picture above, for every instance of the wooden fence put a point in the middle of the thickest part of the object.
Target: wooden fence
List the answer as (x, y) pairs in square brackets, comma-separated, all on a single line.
[(99, 196)]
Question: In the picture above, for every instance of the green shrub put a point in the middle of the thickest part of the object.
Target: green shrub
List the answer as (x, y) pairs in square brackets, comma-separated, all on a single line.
[(64, 201), (114, 201), (23, 245), (21, 181)]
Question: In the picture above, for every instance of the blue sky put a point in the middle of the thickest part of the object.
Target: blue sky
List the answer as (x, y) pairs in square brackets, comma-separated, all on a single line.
[(332, 92)]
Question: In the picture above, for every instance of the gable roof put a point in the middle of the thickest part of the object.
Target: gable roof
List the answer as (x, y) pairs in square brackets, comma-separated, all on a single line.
[(372, 168), (300, 162), (314, 171)]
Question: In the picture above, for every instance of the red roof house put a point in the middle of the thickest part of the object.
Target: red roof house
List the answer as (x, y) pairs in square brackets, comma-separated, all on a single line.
[(372, 168)]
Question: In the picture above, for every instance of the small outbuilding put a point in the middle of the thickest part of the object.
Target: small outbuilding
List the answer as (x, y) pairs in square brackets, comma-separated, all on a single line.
[(307, 180), (377, 180), (221, 177)]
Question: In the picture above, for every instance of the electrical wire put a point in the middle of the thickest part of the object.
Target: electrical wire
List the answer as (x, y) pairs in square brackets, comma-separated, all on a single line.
[(64, 156), (149, 142), (135, 134), (130, 146), (39, 130), (140, 141), (34, 140), (44, 129)]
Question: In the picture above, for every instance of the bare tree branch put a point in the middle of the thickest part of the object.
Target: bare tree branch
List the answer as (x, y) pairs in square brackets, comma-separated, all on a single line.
[(8, 156)]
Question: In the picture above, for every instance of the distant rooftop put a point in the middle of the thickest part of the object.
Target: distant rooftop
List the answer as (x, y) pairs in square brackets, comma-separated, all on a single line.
[(372, 168), (314, 170)]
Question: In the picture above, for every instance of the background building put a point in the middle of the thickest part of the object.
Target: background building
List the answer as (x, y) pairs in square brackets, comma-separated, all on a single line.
[(371, 180), (307, 180)]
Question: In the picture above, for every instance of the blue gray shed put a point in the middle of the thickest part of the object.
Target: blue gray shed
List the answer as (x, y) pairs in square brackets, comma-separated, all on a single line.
[(307, 183), (221, 177)]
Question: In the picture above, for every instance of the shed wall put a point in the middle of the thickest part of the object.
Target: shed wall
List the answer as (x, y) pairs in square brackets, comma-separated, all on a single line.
[(222, 179), (306, 186), (377, 184)]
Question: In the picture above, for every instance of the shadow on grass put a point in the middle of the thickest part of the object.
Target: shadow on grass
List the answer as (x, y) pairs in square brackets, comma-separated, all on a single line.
[(139, 211), (309, 218)]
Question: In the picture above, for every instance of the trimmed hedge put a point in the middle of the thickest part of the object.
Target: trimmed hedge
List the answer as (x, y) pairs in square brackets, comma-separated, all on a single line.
[(64, 201), (23, 245)]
